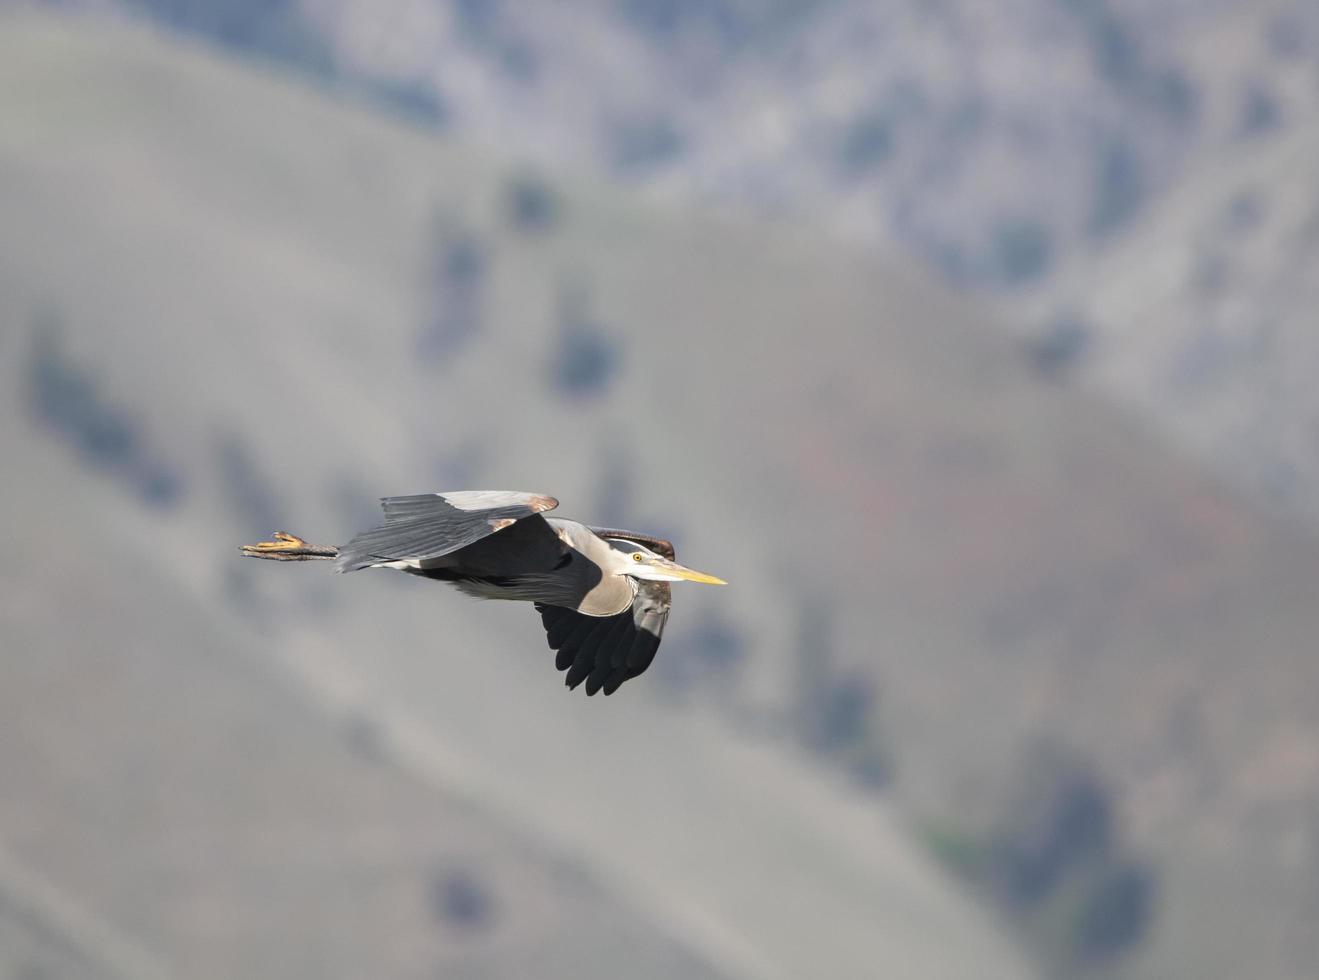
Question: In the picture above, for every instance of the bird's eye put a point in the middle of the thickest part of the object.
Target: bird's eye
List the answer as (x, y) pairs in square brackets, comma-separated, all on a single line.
[(636, 556)]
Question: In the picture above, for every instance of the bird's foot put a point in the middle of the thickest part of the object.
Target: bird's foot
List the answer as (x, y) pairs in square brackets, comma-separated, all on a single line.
[(288, 547)]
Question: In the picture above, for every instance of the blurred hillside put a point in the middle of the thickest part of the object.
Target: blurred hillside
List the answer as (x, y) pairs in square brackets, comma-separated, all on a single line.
[(992, 142), (1205, 318), (972, 607), (1002, 145), (222, 297)]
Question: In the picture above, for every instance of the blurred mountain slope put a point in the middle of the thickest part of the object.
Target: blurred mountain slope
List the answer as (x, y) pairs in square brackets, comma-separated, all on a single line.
[(170, 784), (1202, 317), (1002, 145), (993, 142), (1019, 148), (999, 557), (216, 285)]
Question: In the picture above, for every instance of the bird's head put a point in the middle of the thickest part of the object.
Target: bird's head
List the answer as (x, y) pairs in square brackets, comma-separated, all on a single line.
[(639, 561)]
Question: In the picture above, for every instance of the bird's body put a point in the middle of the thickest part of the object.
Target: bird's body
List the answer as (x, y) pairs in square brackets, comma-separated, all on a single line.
[(562, 571), (603, 594)]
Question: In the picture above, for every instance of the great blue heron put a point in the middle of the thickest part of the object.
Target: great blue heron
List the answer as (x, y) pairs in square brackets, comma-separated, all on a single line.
[(602, 594)]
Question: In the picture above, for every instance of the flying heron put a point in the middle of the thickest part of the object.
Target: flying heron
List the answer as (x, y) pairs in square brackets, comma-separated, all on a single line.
[(603, 594)]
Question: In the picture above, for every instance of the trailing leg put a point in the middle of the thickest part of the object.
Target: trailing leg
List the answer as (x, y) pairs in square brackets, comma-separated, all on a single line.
[(289, 547)]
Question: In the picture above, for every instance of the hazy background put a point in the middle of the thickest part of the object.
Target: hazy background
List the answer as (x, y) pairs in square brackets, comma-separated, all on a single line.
[(973, 342)]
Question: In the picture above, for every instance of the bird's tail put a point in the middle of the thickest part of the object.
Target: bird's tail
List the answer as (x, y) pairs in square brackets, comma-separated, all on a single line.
[(289, 547)]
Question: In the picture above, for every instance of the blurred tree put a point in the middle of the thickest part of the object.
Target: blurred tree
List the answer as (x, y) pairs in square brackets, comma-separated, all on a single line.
[(587, 357), (706, 653), (1173, 95), (835, 711), (484, 25), (531, 203), (364, 738), (1287, 36), (1059, 347), (478, 19), (1260, 111), (669, 20), (640, 143), (1058, 817), (457, 295), (720, 645), (66, 399), (275, 29), (1115, 49), (1244, 211), (463, 901), (158, 484), (1119, 188), (414, 100), (1114, 912), (869, 141), (1021, 251), (1056, 859)]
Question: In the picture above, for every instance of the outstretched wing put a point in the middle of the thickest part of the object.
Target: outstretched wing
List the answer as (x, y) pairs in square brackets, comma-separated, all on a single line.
[(431, 525), (605, 651)]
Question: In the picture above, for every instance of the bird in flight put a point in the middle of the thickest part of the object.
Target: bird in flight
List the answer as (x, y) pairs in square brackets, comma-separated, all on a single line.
[(603, 595)]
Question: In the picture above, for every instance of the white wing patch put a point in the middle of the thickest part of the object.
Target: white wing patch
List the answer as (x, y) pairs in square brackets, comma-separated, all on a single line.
[(489, 499)]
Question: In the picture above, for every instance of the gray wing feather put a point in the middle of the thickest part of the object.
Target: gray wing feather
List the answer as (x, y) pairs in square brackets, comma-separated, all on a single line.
[(431, 525), (605, 651)]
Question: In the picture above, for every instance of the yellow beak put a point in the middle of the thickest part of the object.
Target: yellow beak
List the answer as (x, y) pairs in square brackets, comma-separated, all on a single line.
[(692, 575)]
